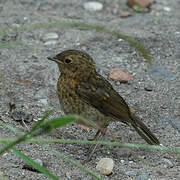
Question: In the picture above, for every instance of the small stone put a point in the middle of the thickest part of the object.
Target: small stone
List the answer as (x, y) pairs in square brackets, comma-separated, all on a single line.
[(124, 14), (43, 101), (168, 163), (68, 175), (120, 40), (105, 166), (30, 168), (50, 39), (93, 6), (39, 161), (167, 9), (25, 18), (140, 3), (148, 87), (122, 161), (50, 36), (50, 43), (118, 74)]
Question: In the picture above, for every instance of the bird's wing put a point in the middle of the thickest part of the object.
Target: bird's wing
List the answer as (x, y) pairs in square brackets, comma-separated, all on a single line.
[(99, 93)]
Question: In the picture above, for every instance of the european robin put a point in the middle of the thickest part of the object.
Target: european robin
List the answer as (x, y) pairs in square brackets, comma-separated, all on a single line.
[(81, 90)]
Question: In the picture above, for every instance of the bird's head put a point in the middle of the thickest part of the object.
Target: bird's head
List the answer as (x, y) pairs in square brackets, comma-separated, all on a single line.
[(74, 63)]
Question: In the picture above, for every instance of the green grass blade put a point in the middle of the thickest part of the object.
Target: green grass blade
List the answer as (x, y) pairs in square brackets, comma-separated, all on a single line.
[(34, 164), (39, 123), (75, 163), (55, 123)]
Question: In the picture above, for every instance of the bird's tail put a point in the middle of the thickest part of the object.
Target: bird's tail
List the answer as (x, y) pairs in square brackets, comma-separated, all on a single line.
[(144, 131)]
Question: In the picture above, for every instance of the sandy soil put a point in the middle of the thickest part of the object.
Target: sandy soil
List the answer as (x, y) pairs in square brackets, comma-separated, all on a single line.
[(29, 81)]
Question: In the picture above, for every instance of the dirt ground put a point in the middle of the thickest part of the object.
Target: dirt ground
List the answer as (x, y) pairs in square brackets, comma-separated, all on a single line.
[(28, 80)]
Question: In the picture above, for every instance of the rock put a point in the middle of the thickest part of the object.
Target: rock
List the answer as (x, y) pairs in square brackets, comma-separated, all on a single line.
[(68, 175), (105, 166), (124, 14), (50, 36), (148, 87), (50, 43), (168, 163), (93, 6), (122, 161), (167, 9), (39, 161), (43, 101), (30, 168), (140, 3), (118, 74), (50, 39)]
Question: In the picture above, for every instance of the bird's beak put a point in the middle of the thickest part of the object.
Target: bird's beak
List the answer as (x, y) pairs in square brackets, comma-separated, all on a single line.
[(53, 58)]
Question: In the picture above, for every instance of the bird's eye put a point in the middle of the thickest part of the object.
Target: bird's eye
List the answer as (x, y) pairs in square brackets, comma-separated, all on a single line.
[(67, 61)]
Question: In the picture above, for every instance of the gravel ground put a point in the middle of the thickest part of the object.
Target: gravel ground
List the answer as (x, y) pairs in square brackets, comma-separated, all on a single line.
[(29, 81)]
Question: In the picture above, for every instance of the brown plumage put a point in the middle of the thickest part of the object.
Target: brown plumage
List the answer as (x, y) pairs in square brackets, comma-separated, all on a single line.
[(83, 91)]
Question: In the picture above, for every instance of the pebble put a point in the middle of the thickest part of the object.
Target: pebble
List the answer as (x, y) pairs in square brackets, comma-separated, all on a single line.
[(50, 39), (167, 9), (68, 175), (39, 161), (50, 43), (105, 166), (93, 6), (148, 87), (50, 36), (30, 168), (140, 3), (168, 163), (43, 101), (122, 161), (118, 74)]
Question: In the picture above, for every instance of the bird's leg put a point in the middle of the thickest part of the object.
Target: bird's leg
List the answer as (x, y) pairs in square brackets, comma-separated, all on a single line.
[(95, 137), (98, 137), (102, 131)]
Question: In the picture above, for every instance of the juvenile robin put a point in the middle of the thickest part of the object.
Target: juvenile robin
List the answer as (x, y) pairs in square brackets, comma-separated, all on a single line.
[(81, 90)]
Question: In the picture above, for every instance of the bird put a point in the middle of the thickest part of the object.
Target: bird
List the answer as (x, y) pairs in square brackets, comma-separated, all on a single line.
[(82, 91)]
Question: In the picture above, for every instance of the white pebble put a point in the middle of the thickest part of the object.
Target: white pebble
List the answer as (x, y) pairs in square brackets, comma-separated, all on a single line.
[(168, 163), (120, 40), (93, 6), (105, 166), (50, 36), (43, 101), (50, 43), (167, 9), (122, 161)]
